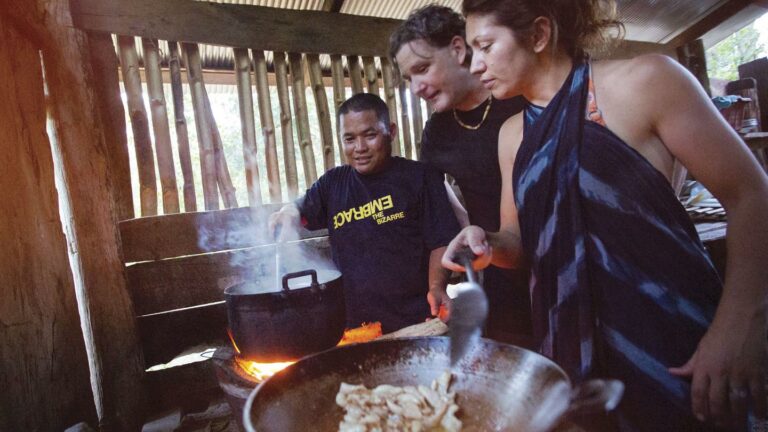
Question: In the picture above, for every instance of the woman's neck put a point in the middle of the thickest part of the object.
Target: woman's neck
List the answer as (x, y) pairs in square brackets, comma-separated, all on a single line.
[(547, 77)]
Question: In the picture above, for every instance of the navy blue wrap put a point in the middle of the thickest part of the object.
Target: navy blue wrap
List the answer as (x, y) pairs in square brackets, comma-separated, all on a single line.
[(621, 285)]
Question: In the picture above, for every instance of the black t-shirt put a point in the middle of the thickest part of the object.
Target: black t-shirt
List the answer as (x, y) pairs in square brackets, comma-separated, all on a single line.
[(382, 229), (471, 156)]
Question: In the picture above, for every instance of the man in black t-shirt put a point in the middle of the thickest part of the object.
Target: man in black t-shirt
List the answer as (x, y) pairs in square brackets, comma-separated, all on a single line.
[(388, 218), (461, 139)]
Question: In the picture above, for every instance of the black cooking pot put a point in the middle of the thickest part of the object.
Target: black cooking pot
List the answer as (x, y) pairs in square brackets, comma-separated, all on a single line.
[(306, 316)]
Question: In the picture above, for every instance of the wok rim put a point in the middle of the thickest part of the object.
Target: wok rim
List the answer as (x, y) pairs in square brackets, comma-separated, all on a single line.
[(246, 417)]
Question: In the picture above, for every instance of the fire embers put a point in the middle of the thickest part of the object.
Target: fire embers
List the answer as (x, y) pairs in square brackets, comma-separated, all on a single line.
[(390, 408)]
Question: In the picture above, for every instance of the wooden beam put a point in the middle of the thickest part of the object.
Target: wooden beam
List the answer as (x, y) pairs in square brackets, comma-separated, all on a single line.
[(286, 125), (106, 311), (247, 125), (43, 363), (267, 126), (298, 91), (710, 21), (180, 119), (321, 107), (235, 25)]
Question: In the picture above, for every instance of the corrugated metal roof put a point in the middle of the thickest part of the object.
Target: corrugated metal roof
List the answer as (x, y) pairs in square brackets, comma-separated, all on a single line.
[(655, 21)]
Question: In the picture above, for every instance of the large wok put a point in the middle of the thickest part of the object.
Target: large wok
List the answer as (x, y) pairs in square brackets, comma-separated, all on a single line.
[(498, 386)]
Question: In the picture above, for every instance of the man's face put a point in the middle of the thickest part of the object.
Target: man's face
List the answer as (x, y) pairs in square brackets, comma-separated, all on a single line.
[(367, 142), (435, 74)]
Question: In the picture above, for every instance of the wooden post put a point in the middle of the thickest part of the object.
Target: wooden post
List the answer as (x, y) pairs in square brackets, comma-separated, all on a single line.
[(355, 74), (145, 160), (418, 124), (339, 94), (182, 136), (391, 99), (160, 126), (286, 125), (43, 362), (267, 125), (247, 124), (299, 88), (321, 103), (405, 120), (371, 75), (224, 181), (107, 80), (204, 141)]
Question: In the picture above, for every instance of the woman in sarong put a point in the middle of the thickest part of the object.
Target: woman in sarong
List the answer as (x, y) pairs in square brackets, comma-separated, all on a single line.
[(621, 285)]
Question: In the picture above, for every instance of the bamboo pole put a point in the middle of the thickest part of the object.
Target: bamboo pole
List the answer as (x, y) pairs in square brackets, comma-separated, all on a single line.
[(204, 141), (247, 124), (321, 104), (389, 96), (405, 120), (339, 94), (418, 124), (286, 125), (223, 179), (371, 75), (267, 125), (182, 136), (145, 160), (157, 107), (298, 88), (355, 74)]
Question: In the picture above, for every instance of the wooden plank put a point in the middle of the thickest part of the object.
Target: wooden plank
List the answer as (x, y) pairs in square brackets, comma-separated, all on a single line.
[(267, 126), (387, 75), (106, 311), (177, 283), (237, 25), (43, 363), (165, 335), (182, 136), (355, 74), (405, 121), (371, 75), (286, 125), (145, 160), (321, 106), (298, 90), (159, 237), (204, 140), (339, 93), (247, 125), (718, 16), (165, 165), (107, 88)]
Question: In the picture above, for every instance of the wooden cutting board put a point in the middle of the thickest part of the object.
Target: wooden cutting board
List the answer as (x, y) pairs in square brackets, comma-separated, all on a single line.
[(433, 327)]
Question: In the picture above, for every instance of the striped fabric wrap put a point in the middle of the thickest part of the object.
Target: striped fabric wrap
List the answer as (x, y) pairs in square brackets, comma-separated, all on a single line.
[(621, 285)]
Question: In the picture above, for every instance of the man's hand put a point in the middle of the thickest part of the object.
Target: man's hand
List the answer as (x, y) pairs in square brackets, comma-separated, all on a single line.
[(728, 371), (439, 303), (284, 223), (474, 238)]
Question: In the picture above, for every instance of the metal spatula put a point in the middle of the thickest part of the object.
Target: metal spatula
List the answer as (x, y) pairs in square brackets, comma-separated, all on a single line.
[(469, 309)]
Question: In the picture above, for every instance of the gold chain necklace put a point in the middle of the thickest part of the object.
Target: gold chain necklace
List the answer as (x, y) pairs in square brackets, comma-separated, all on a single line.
[(482, 120)]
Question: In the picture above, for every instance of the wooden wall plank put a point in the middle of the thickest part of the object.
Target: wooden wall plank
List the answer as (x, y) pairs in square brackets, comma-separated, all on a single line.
[(339, 93), (182, 136), (387, 75), (298, 90), (43, 364), (247, 125), (106, 311), (129, 64), (371, 75), (157, 107), (321, 106), (237, 25), (286, 125), (355, 74), (267, 126)]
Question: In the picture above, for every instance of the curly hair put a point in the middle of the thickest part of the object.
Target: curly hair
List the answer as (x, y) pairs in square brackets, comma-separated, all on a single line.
[(578, 25), (437, 25)]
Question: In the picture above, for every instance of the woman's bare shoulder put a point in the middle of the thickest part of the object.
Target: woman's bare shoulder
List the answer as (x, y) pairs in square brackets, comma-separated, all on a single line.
[(510, 136), (645, 75)]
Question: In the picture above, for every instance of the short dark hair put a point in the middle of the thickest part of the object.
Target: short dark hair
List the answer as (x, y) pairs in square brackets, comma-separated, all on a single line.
[(365, 102), (437, 25)]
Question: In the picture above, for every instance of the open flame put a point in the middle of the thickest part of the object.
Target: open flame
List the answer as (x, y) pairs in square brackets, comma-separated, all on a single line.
[(261, 371)]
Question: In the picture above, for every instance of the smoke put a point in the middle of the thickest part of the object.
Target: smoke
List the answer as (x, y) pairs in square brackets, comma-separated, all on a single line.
[(254, 256)]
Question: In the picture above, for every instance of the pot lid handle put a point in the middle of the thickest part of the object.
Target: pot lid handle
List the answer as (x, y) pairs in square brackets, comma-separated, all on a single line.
[(303, 273)]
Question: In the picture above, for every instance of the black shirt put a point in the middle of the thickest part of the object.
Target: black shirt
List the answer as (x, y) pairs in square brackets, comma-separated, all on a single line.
[(471, 156), (382, 229)]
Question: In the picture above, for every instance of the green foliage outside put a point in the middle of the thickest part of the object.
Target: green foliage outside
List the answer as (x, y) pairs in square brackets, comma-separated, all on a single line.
[(741, 47)]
